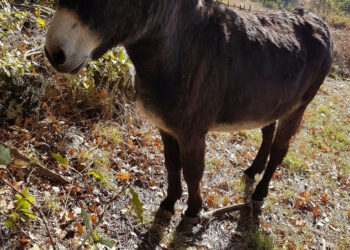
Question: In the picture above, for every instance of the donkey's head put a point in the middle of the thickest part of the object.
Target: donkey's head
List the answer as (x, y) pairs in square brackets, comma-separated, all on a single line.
[(81, 29)]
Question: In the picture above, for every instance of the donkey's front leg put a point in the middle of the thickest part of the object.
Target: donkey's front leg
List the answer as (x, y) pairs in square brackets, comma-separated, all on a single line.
[(173, 166), (192, 159)]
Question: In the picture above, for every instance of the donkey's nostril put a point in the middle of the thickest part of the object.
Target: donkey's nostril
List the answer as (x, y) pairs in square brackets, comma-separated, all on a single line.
[(59, 57)]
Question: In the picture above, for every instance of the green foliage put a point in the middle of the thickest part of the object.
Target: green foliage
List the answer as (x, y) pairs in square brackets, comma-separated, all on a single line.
[(285, 4), (5, 155), (137, 205), (113, 68), (13, 60), (97, 162), (22, 212), (293, 161), (63, 161), (22, 38), (94, 237)]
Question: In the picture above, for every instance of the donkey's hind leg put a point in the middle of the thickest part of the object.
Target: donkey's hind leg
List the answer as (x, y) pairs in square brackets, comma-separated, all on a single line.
[(287, 127), (259, 164)]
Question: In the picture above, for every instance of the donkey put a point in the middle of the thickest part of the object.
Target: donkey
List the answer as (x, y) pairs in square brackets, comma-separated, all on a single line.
[(202, 66)]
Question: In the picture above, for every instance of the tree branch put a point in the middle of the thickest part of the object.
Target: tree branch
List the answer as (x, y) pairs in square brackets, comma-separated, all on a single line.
[(42, 170)]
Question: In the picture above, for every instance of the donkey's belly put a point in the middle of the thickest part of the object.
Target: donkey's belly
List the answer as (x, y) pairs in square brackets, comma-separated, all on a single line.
[(233, 127), (153, 117)]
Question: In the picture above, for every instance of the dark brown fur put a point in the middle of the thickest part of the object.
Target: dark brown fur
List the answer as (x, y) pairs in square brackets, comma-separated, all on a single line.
[(200, 65)]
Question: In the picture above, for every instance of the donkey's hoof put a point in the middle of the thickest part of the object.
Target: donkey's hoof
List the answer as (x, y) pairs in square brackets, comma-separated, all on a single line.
[(257, 204), (163, 216), (255, 208), (187, 224), (247, 179)]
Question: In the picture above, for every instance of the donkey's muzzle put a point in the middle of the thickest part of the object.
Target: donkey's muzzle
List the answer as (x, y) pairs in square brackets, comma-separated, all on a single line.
[(57, 57)]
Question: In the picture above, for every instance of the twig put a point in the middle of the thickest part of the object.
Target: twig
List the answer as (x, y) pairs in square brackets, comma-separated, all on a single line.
[(100, 217), (34, 53), (42, 170), (37, 209), (33, 7), (220, 211)]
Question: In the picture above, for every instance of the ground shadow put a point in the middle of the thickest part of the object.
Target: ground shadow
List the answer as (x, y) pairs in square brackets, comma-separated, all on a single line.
[(154, 235), (247, 225), (248, 222)]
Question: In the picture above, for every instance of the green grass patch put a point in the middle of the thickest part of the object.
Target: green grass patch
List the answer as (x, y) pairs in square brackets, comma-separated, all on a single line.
[(259, 241), (293, 161)]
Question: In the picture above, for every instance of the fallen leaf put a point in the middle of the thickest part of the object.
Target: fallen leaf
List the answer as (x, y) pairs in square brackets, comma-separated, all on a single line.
[(276, 175), (304, 195), (226, 200), (299, 203), (71, 215), (92, 208), (24, 240), (123, 176), (63, 218), (72, 151), (74, 241), (210, 200), (324, 198), (93, 219), (325, 150), (315, 210), (79, 228)]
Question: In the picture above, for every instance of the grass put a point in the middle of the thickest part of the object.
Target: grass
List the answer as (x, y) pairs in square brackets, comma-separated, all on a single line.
[(259, 240), (293, 161)]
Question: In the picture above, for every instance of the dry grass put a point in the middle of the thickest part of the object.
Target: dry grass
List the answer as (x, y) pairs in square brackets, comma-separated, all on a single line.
[(341, 58)]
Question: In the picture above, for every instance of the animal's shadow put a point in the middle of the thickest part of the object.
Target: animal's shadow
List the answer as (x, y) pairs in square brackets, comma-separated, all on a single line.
[(154, 235), (248, 222)]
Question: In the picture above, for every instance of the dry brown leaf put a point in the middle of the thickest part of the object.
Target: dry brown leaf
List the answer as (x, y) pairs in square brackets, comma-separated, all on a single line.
[(325, 150), (63, 218), (299, 203), (276, 175), (74, 241), (71, 215), (72, 151), (226, 200), (324, 198), (79, 228), (210, 201), (123, 176), (24, 240), (305, 194), (92, 208), (93, 219)]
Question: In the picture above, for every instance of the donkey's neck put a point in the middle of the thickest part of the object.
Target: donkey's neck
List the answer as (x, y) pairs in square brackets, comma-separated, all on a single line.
[(157, 47)]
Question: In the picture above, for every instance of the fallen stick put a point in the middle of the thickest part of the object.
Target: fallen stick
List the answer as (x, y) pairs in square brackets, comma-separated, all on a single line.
[(42, 170), (220, 211)]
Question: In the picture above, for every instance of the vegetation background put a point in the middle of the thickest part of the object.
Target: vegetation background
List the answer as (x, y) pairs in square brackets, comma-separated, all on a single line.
[(86, 169)]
